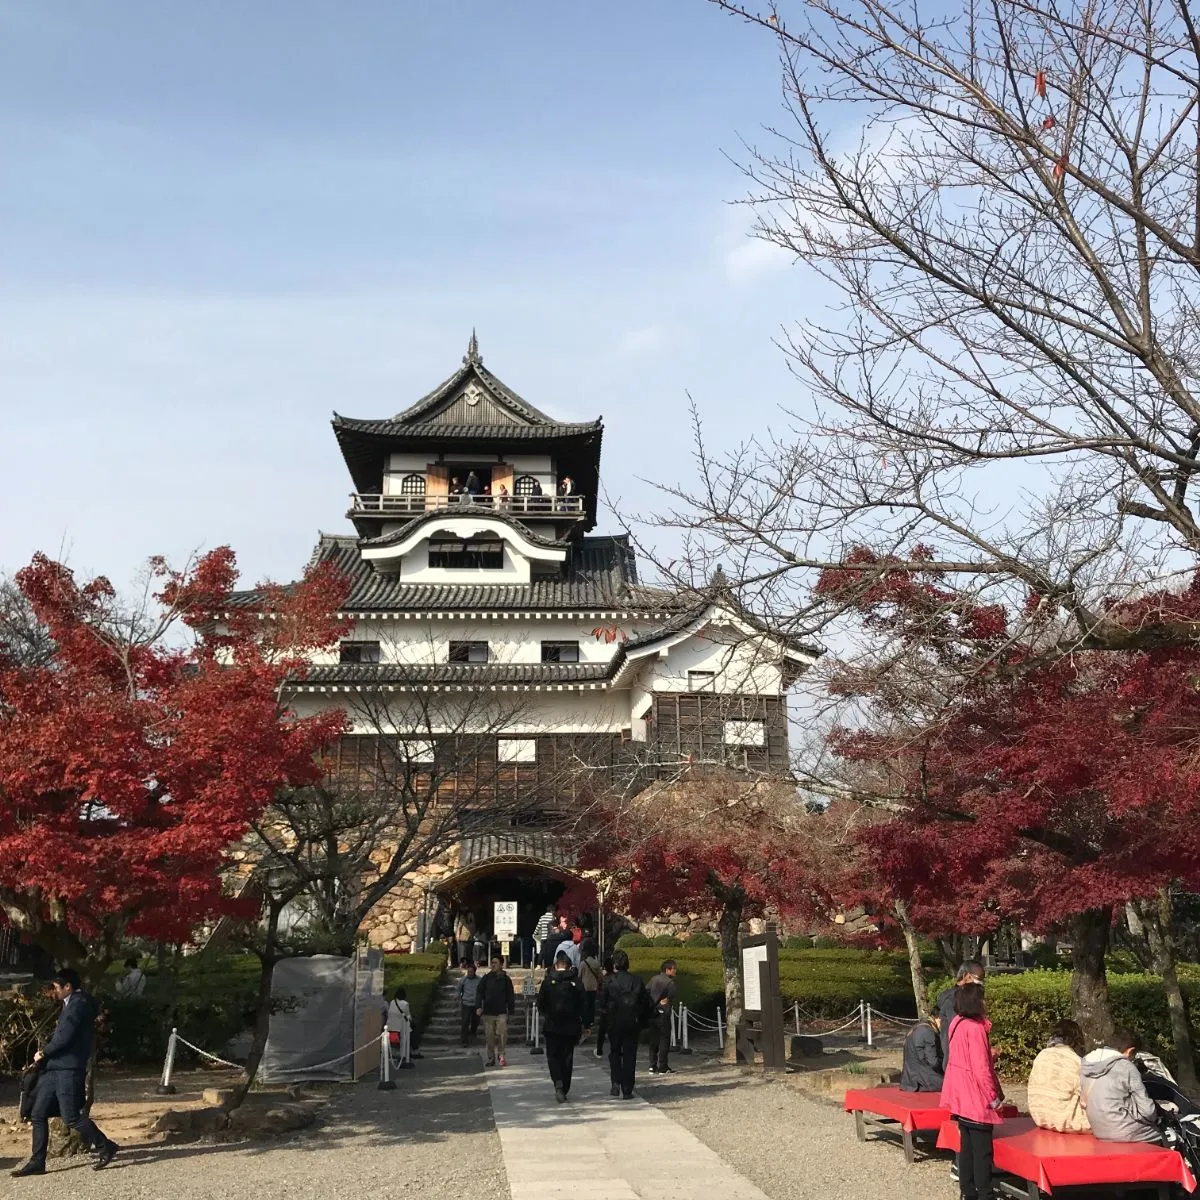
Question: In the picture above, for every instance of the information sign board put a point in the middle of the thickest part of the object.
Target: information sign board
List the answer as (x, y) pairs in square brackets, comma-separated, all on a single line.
[(751, 986), (504, 926)]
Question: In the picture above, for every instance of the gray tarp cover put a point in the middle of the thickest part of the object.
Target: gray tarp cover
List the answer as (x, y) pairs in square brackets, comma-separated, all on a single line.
[(315, 1022)]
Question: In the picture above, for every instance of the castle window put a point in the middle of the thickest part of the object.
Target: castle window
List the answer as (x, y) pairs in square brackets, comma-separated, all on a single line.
[(477, 553), (468, 652), (701, 681), (358, 652), (516, 750), (412, 485), (527, 485), (560, 652), (745, 733)]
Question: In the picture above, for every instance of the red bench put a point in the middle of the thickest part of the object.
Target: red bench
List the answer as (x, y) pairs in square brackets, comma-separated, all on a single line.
[(887, 1109), (1047, 1160)]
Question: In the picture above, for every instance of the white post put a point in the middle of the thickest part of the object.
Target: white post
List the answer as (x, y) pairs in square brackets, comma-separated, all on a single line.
[(862, 1020), (869, 1041), (796, 1010), (720, 1030), (386, 1082), (406, 1044), (683, 1025), (674, 1040), (166, 1087)]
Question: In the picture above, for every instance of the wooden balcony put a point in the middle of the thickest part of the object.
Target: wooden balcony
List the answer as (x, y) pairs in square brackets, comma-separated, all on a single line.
[(525, 507)]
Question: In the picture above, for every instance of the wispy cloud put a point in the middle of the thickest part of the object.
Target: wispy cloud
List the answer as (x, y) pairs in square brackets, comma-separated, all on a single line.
[(745, 256), (641, 341)]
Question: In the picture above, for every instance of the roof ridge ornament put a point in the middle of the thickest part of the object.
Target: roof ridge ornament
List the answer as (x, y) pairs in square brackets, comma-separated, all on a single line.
[(472, 358)]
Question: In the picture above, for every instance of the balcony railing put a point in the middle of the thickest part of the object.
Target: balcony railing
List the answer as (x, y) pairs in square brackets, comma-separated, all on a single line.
[(519, 506)]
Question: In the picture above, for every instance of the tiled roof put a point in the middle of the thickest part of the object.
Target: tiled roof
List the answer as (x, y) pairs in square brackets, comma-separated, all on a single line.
[(465, 512), (484, 847), (438, 433), (443, 674), (600, 575), (472, 367)]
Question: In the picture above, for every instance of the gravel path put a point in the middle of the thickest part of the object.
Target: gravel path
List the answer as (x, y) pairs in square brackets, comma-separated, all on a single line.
[(792, 1146), (434, 1136)]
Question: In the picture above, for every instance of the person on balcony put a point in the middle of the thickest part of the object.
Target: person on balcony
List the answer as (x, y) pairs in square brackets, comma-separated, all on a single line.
[(566, 486), (502, 498), (473, 487)]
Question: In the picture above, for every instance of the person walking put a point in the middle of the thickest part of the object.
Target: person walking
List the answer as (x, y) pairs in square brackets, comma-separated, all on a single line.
[(601, 1019), (468, 1003), (662, 996), (972, 1093), (60, 1091), (625, 1007), (591, 975), (497, 1002), (560, 1001)]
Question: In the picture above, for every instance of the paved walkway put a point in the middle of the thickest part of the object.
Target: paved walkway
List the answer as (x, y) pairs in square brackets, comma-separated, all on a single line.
[(611, 1149)]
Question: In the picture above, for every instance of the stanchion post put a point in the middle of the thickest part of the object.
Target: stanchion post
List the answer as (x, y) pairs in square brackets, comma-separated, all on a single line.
[(720, 1030), (796, 1010), (674, 1039), (166, 1087), (870, 1042), (537, 1032), (386, 1082), (683, 1029), (862, 1021)]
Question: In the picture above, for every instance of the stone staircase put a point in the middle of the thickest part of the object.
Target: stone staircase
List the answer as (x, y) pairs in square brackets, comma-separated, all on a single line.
[(441, 1034)]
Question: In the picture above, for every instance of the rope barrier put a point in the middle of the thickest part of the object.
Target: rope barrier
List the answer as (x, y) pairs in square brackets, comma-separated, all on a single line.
[(333, 1062), (204, 1053)]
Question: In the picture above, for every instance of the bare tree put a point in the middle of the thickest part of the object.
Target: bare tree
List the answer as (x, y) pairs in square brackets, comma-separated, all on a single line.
[(1003, 203), (420, 770)]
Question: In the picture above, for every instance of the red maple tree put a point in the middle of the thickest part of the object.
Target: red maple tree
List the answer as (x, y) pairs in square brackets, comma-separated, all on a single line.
[(133, 758), (1051, 786), (722, 845)]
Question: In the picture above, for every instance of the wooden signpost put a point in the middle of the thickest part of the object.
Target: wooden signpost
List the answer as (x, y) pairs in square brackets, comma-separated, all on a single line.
[(762, 1007)]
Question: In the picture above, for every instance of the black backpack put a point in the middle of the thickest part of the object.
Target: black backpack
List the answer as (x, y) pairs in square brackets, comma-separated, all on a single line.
[(629, 1002)]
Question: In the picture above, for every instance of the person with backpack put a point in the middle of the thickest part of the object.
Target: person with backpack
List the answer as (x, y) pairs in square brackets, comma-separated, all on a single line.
[(625, 1009), (591, 975), (662, 997), (560, 1001), (496, 1003)]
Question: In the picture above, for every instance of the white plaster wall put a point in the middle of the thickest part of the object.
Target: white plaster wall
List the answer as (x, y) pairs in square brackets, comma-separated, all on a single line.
[(739, 666), (503, 714), (509, 640)]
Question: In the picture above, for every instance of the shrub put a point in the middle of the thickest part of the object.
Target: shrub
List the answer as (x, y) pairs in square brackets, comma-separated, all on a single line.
[(797, 943), (631, 941), (826, 943), (1024, 1008), (421, 977), (701, 941), (665, 939)]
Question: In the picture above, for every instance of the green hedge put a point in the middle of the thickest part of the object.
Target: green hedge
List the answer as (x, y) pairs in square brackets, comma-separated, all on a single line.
[(1024, 1008), (631, 941), (825, 983), (421, 976), (214, 999)]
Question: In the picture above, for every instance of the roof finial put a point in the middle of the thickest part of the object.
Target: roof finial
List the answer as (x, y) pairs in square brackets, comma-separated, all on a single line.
[(472, 354)]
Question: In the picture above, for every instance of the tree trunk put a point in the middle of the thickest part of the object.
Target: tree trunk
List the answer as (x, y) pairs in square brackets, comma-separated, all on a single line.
[(728, 926), (262, 1027), (1089, 986), (1158, 922), (915, 967)]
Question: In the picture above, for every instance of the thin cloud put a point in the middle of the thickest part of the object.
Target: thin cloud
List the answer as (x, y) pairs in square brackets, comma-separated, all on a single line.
[(641, 341)]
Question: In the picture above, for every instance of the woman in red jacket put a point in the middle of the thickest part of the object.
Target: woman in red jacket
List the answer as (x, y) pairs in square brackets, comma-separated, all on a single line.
[(972, 1092)]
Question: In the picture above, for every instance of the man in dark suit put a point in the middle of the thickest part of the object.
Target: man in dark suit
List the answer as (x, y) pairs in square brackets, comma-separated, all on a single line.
[(60, 1090)]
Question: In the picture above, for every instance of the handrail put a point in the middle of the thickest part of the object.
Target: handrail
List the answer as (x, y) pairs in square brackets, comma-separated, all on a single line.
[(413, 506)]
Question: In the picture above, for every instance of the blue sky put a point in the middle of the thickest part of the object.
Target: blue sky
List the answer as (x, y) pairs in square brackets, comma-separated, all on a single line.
[(221, 222)]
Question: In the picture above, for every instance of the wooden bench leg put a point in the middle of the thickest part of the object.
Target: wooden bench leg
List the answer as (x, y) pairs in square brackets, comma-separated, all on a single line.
[(860, 1126), (909, 1155)]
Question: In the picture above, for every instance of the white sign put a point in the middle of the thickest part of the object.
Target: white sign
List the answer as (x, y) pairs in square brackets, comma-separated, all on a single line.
[(504, 926), (751, 957)]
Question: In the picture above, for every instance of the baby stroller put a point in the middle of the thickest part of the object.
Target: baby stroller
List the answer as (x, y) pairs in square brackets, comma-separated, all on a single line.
[(1178, 1117)]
